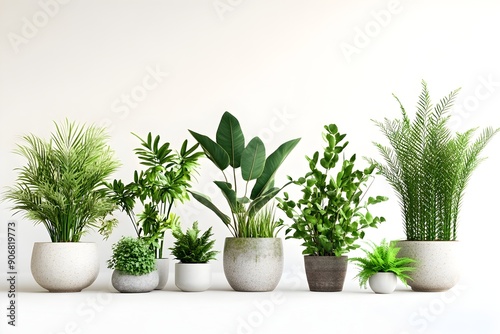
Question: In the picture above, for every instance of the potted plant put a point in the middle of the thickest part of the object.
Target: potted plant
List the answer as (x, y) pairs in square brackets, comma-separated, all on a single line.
[(193, 271), (134, 266), (62, 187), (332, 213), (252, 258), (429, 167), (381, 267), (164, 182)]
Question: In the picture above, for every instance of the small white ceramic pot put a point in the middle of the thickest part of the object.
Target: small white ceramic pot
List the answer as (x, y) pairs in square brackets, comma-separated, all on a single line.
[(65, 266), (383, 282), (134, 283), (193, 277), (162, 265)]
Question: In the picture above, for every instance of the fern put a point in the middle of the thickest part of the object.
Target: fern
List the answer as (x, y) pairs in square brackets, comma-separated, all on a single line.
[(382, 258), (189, 247), (428, 166)]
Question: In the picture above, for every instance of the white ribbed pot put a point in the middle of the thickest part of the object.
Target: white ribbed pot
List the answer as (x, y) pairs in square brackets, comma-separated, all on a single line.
[(162, 266), (65, 266), (193, 277), (253, 264), (437, 264), (124, 282), (383, 282)]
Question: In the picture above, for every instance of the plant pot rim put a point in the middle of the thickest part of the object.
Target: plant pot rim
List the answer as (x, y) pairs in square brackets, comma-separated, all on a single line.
[(342, 256), (65, 242), (121, 272), (384, 273), (252, 238), (193, 263)]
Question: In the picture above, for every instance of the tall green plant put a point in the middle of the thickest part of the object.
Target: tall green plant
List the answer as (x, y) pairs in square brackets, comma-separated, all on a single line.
[(62, 183), (229, 151), (164, 182), (332, 213), (429, 167)]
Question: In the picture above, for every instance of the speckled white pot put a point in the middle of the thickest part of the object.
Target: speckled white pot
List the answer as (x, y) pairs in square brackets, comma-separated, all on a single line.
[(193, 277), (64, 266), (383, 282), (253, 264), (437, 267), (134, 283), (163, 266)]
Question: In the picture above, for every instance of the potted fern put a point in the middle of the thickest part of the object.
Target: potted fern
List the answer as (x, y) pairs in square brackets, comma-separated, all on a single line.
[(332, 213), (62, 187), (381, 267), (429, 167), (163, 182), (134, 266), (193, 271), (252, 257)]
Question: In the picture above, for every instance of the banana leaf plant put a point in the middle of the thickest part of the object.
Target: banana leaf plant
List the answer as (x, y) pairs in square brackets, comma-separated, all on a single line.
[(229, 153)]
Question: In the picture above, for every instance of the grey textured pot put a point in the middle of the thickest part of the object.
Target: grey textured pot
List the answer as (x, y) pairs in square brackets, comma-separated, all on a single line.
[(64, 266), (134, 283), (325, 273), (253, 264), (437, 264)]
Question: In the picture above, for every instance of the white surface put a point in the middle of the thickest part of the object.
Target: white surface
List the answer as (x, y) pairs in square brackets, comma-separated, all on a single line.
[(281, 67)]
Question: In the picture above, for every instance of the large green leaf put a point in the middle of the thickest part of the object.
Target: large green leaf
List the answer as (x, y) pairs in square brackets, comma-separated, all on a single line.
[(253, 159), (208, 203), (212, 150), (229, 193), (273, 162), (230, 137)]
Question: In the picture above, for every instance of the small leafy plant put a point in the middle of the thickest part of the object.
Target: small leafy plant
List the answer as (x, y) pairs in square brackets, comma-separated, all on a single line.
[(229, 150), (189, 247), (331, 215), (62, 183), (429, 167), (132, 256), (382, 258), (164, 182)]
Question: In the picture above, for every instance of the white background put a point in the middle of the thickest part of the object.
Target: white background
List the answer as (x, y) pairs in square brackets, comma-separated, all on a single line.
[(284, 68)]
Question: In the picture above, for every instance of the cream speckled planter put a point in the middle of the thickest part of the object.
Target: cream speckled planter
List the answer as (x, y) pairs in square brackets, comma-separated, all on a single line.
[(437, 267), (383, 282), (162, 265), (253, 264), (65, 266), (134, 283)]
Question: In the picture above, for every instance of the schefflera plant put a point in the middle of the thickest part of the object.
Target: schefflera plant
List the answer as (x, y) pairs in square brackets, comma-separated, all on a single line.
[(229, 151)]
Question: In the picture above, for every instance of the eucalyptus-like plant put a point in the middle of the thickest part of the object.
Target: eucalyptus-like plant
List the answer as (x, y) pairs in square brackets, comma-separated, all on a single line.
[(132, 256), (382, 258), (229, 150), (190, 247), (62, 183), (332, 214), (164, 182), (429, 167)]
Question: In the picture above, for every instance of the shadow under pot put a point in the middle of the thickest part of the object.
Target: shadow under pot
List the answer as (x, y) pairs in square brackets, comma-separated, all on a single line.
[(325, 273)]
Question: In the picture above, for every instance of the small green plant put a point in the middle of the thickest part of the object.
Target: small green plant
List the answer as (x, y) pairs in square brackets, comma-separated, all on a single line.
[(229, 150), (331, 215), (62, 183), (132, 256), (164, 182), (382, 258), (189, 247), (262, 225), (429, 167)]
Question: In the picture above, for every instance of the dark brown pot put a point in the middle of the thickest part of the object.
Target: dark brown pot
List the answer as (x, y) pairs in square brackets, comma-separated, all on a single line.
[(325, 273)]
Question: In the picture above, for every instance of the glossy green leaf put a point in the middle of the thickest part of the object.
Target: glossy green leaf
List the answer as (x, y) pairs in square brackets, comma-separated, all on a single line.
[(212, 150), (253, 159), (230, 137)]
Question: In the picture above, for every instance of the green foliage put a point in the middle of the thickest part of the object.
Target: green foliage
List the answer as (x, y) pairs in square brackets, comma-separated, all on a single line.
[(229, 150), (132, 256), (331, 215), (429, 167), (164, 182), (61, 184), (189, 247), (382, 258), (261, 225)]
